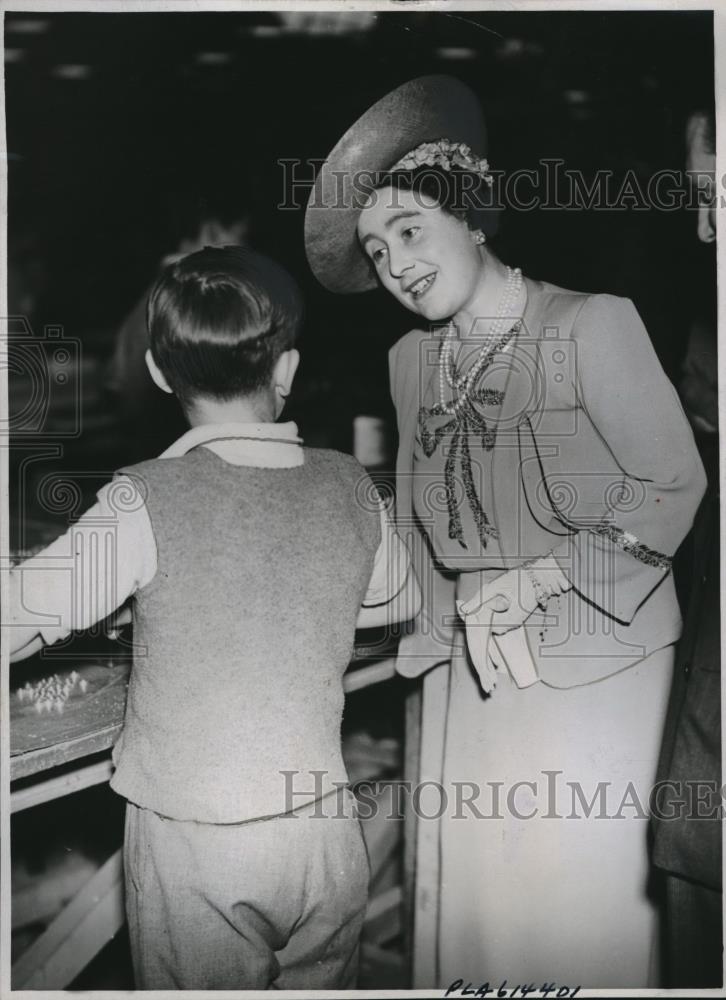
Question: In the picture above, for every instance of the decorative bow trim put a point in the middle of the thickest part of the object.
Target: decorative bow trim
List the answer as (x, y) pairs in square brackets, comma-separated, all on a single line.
[(465, 422)]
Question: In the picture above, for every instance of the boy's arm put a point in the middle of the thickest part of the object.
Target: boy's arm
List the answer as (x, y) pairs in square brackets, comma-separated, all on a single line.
[(393, 592), (84, 575)]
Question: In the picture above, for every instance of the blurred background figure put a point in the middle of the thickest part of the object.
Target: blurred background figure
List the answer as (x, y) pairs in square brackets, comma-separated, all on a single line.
[(150, 419), (688, 848), (699, 387)]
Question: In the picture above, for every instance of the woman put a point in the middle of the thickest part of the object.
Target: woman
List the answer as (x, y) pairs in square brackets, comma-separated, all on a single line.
[(546, 475)]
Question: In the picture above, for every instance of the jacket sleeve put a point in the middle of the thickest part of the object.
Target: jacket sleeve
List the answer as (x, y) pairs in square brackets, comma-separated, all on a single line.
[(619, 557), (429, 638)]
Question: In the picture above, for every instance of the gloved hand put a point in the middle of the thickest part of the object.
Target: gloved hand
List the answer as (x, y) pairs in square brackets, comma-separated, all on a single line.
[(514, 595), (504, 604)]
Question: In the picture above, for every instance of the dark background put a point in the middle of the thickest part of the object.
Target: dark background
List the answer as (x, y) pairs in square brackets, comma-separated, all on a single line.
[(118, 124)]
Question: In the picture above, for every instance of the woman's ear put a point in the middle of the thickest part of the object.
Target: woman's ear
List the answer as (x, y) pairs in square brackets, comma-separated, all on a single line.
[(284, 371), (156, 373)]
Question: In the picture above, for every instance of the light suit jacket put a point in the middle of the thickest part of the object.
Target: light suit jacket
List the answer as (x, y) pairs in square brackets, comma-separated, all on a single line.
[(594, 461)]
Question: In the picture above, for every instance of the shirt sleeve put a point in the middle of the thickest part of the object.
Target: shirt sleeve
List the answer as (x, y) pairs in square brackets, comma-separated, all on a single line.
[(87, 573), (638, 416), (391, 564)]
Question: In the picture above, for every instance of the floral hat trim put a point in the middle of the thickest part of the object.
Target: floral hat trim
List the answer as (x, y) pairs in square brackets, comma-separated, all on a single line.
[(446, 154)]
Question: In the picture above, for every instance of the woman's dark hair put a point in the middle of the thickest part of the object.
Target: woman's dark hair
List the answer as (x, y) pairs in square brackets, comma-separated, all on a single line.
[(219, 319), (459, 192)]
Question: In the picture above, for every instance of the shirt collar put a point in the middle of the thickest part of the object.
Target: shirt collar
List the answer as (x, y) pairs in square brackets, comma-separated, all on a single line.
[(266, 446)]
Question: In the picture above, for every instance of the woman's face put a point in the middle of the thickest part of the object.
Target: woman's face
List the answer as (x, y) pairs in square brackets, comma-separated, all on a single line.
[(422, 255)]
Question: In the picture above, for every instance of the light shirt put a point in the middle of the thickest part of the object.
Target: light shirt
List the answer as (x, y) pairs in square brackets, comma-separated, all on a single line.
[(110, 552)]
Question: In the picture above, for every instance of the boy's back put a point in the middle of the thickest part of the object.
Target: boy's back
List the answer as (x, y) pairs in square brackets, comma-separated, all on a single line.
[(244, 633), (248, 559)]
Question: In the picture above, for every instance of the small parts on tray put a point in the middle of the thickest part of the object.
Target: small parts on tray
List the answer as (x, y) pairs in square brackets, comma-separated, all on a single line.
[(51, 693)]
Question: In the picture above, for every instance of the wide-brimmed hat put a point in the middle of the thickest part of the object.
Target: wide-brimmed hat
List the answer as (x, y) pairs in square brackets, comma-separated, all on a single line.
[(427, 109)]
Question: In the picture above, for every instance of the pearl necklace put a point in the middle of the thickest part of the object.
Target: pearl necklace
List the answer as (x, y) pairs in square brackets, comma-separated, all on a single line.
[(447, 369)]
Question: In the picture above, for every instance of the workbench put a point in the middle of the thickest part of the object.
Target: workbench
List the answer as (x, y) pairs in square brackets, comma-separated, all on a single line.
[(56, 753)]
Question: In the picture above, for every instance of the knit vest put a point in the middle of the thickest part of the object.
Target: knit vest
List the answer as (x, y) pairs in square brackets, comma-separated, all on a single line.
[(242, 637)]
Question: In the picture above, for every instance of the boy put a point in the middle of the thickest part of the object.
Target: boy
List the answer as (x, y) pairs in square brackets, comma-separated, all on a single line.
[(248, 558), (150, 419)]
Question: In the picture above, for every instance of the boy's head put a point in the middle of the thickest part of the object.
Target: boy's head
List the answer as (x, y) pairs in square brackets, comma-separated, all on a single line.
[(222, 325)]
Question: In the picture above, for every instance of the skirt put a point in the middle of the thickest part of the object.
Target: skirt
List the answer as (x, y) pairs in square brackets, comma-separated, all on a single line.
[(544, 837)]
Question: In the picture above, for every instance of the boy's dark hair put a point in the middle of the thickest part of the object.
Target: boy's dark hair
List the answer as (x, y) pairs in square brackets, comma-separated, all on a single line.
[(218, 321)]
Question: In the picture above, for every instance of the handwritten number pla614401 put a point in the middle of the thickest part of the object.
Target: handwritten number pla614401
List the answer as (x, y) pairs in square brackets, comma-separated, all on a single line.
[(480, 992)]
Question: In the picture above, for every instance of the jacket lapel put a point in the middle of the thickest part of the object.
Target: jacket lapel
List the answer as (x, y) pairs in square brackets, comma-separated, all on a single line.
[(522, 387)]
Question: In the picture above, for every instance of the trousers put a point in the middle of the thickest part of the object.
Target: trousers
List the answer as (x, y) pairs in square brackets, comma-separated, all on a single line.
[(270, 903)]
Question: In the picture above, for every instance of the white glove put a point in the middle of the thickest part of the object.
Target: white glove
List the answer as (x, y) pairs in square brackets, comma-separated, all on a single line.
[(514, 595), (504, 604), (478, 637)]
